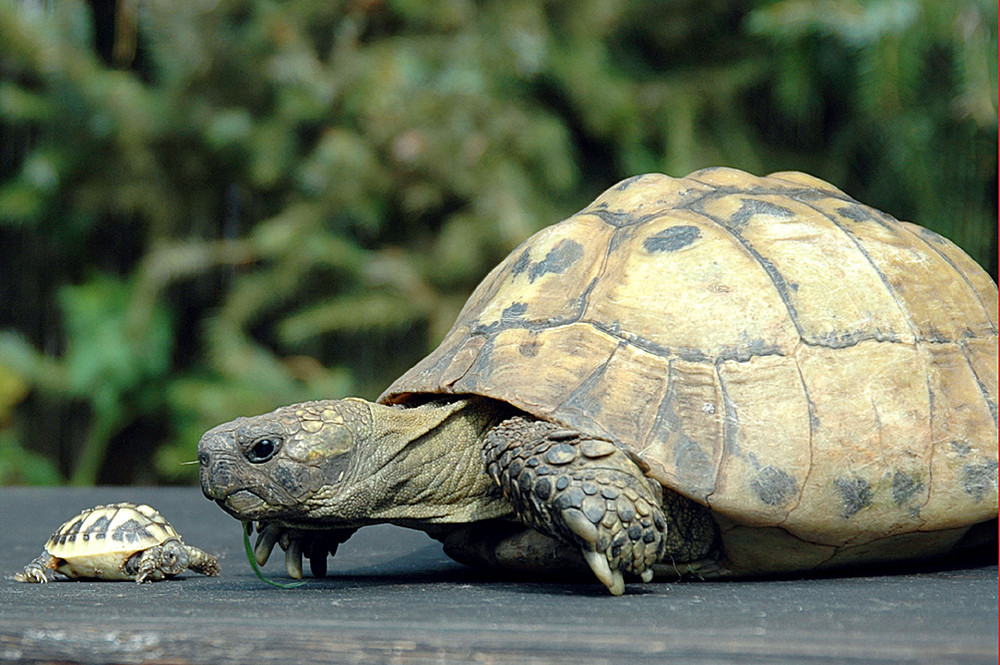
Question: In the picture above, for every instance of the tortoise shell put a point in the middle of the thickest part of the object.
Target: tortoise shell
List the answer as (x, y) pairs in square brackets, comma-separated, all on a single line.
[(819, 374), (99, 540)]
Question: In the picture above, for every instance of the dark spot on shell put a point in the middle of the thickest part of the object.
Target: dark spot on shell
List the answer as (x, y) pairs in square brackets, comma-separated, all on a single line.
[(529, 349), (856, 494), (904, 486), (980, 478), (671, 239), (750, 348), (559, 259), (130, 531), (751, 207), (609, 493), (562, 482), (648, 536), (635, 532), (543, 489), (76, 525), (521, 264), (515, 311), (773, 486), (692, 462), (856, 213), (618, 218), (961, 448)]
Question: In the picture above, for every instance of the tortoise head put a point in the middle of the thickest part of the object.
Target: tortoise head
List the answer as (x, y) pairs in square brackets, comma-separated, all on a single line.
[(289, 463)]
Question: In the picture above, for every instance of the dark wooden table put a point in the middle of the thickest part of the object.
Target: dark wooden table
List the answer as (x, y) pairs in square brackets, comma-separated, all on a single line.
[(392, 596)]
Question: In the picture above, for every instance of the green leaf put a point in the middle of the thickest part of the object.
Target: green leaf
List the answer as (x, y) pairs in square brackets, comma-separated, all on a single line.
[(105, 352), (253, 564), (22, 467)]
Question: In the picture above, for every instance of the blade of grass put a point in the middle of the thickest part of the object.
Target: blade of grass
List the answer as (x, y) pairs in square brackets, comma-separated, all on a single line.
[(256, 568)]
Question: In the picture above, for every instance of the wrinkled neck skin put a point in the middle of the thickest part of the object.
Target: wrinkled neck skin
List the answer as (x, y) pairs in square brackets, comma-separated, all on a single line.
[(420, 466), (349, 463), (424, 465)]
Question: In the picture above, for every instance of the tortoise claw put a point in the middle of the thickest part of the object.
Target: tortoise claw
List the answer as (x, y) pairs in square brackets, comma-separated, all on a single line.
[(293, 558), (267, 536), (314, 545), (584, 491), (614, 580)]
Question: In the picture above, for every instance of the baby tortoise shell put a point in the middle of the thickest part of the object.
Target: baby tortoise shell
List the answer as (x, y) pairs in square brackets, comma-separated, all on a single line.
[(119, 541), (819, 374)]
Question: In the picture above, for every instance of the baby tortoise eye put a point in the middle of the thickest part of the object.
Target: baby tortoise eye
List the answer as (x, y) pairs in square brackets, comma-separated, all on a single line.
[(263, 449)]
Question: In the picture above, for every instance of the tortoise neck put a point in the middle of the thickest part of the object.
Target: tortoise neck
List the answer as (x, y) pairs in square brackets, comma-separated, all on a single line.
[(426, 464)]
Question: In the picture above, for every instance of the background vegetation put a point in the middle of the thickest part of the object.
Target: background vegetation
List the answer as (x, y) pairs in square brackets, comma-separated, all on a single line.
[(214, 207)]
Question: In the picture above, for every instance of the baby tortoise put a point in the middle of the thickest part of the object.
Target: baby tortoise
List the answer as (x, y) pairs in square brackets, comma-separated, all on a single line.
[(720, 374), (119, 541)]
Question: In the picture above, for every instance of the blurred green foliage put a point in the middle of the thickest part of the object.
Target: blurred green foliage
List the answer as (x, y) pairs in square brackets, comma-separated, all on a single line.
[(216, 207)]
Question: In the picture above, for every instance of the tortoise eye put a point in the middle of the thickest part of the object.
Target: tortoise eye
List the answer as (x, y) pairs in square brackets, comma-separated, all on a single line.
[(263, 449)]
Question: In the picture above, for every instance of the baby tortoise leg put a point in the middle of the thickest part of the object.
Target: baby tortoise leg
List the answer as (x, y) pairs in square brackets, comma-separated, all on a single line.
[(583, 491), (41, 569), (201, 561)]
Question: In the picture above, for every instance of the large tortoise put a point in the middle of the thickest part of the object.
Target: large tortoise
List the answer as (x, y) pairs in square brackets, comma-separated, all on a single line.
[(719, 374)]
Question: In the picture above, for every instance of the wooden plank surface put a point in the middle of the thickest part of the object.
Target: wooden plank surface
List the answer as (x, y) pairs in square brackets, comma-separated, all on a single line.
[(392, 596)]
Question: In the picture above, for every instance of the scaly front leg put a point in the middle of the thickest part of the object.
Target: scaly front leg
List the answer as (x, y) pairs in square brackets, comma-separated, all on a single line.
[(582, 490), (41, 569)]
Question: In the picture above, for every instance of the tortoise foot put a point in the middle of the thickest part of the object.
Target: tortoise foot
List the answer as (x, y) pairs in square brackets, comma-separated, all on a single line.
[(583, 491), (40, 570), (315, 545)]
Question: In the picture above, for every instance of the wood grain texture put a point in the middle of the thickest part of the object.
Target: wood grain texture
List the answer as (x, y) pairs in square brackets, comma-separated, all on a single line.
[(393, 597)]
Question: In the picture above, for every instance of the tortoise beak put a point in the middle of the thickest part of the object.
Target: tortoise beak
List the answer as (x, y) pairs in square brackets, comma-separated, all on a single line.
[(242, 504)]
